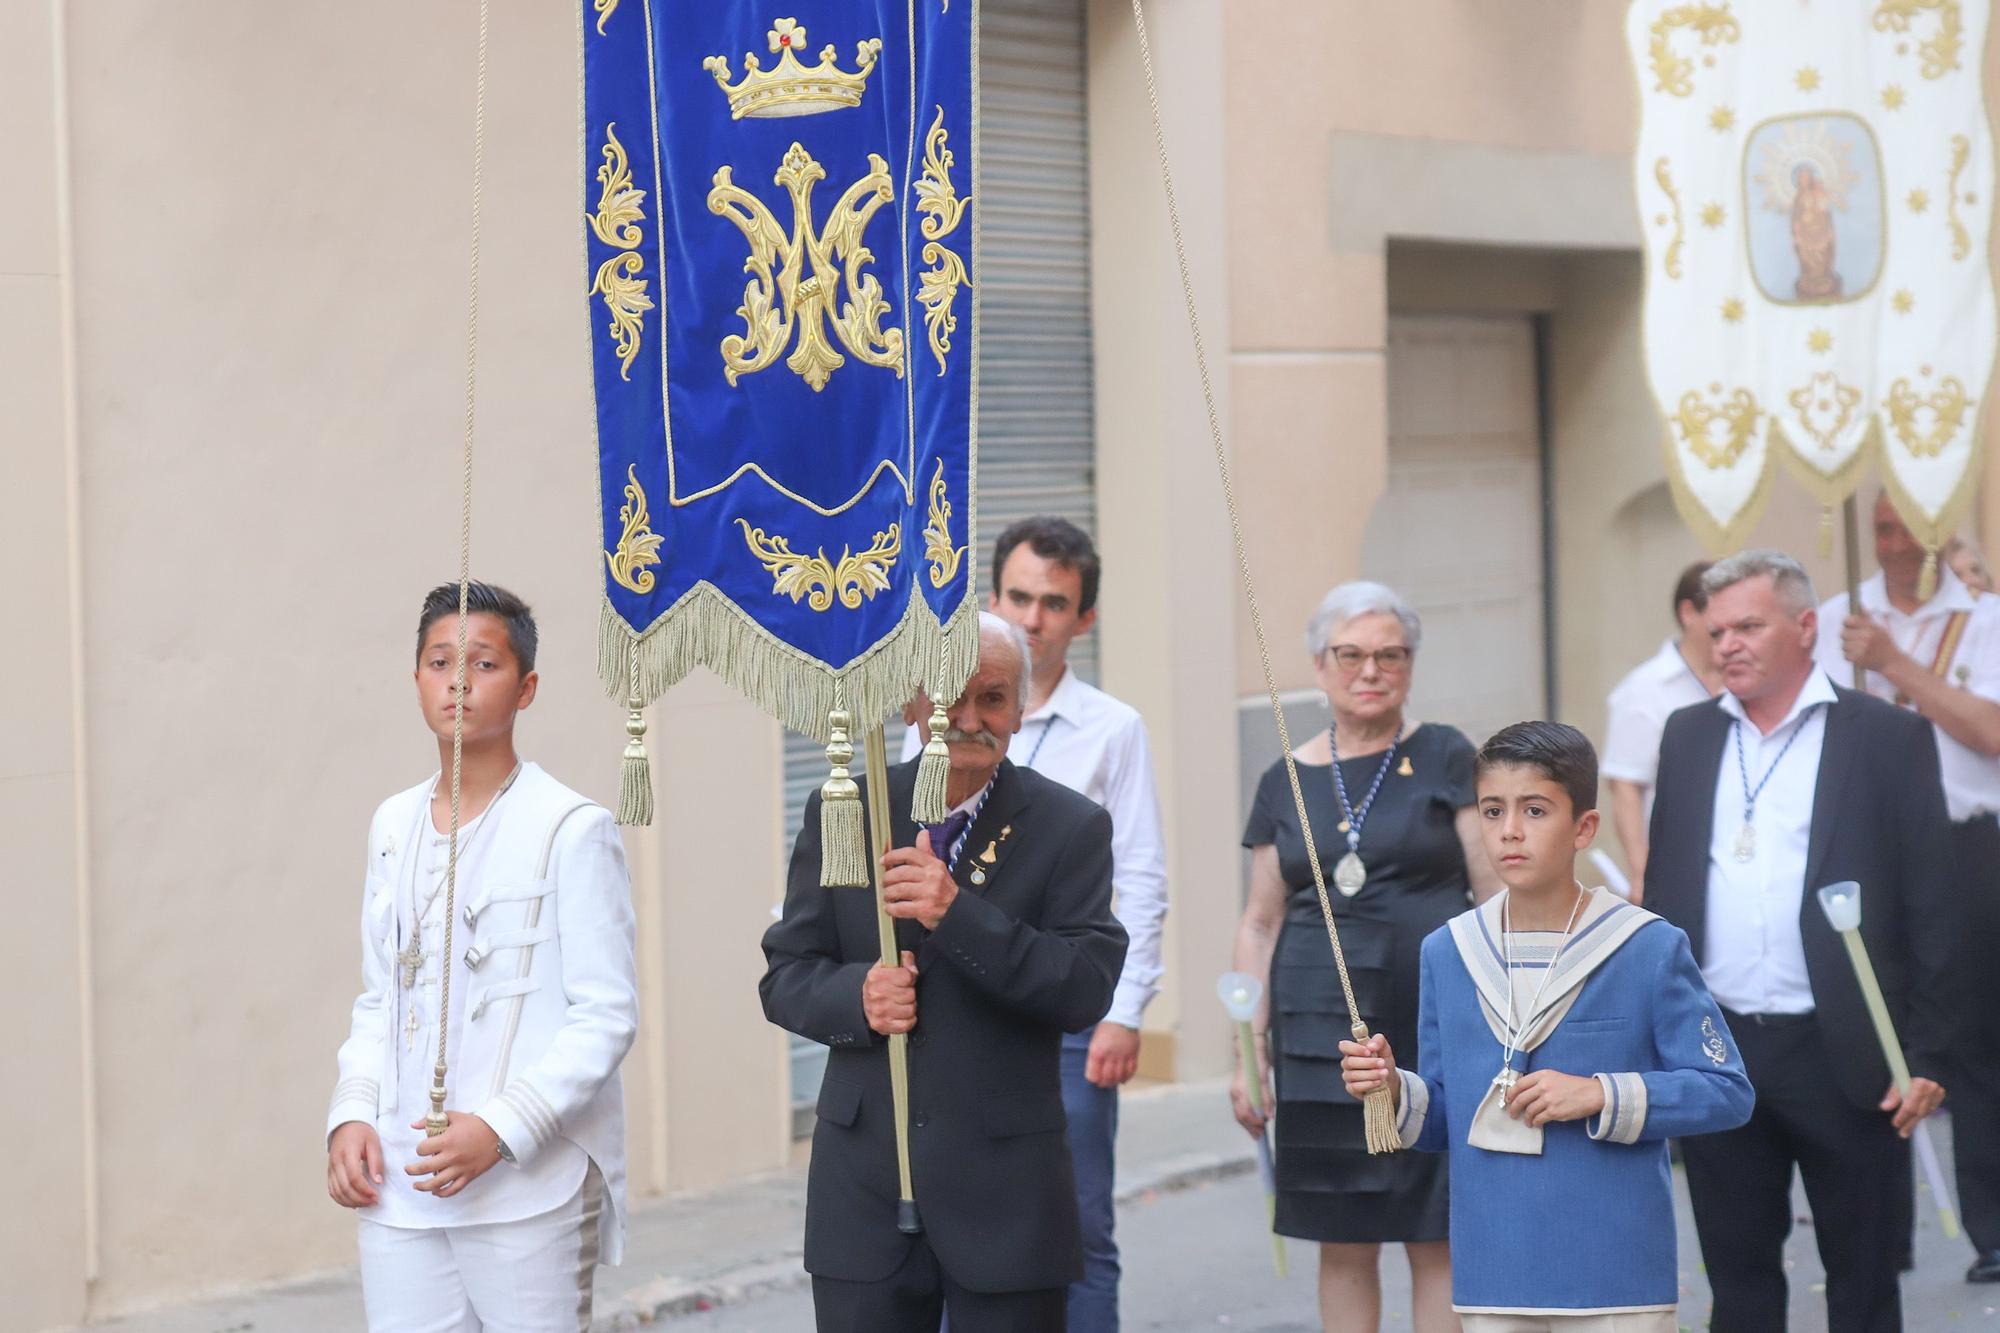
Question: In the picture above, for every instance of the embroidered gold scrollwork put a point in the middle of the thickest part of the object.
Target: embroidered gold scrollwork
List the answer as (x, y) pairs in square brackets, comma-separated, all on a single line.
[(943, 210), (620, 210), (783, 297), (944, 557), (1697, 417), (1825, 407), (604, 9), (638, 544), (1939, 53), (1947, 406), (1671, 263), (819, 581), (1713, 23), (1961, 239)]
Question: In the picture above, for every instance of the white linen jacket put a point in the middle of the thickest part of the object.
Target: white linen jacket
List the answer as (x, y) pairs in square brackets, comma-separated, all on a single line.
[(554, 1004)]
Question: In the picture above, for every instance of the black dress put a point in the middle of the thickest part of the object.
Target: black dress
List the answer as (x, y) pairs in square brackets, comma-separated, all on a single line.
[(1329, 1187)]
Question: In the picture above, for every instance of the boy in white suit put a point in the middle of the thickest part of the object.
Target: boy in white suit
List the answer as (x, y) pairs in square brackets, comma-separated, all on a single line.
[(499, 1222)]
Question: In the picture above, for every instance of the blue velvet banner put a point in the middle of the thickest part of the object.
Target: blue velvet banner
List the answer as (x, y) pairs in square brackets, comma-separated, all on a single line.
[(780, 224)]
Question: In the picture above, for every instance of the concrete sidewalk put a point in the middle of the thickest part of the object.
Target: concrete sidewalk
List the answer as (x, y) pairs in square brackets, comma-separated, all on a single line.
[(699, 1251)]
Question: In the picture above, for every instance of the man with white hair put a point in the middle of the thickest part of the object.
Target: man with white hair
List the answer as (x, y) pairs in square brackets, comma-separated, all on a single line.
[(1782, 784), (1003, 920)]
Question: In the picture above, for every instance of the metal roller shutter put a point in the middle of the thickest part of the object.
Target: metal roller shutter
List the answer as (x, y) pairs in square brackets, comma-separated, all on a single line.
[(1035, 424)]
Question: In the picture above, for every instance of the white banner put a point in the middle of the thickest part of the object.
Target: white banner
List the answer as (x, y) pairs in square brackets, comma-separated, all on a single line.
[(1815, 185)]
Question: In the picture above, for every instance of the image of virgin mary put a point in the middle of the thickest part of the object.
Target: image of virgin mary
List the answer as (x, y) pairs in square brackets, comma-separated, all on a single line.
[(1813, 235)]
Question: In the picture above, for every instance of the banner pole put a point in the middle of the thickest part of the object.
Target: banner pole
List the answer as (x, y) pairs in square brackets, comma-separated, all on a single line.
[(875, 754), (1850, 517)]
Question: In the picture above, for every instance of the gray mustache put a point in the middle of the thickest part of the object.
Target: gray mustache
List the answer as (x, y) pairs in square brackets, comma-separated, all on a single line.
[(980, 737)]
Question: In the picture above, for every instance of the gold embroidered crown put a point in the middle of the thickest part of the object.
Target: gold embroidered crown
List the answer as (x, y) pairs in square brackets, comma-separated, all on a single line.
[(791, 89)]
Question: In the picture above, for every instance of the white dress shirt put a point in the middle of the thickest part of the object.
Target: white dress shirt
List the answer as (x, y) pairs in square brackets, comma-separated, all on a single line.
[(1096, 745), (1638, 709), (1756, 955), (1971, 779)]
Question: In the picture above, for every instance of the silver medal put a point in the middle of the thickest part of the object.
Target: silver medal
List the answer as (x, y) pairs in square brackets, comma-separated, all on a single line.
[(1350, 875), (1746, 844)]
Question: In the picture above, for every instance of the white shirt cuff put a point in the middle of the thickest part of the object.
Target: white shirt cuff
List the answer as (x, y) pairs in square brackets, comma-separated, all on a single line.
[(1416, 1106), (1623, 1118)]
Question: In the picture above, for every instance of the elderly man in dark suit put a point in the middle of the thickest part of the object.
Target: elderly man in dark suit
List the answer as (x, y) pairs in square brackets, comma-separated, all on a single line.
[(1782, 784), (1003, 916)]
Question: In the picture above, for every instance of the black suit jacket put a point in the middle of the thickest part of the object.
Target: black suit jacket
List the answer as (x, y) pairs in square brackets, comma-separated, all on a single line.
[(1878, 819), (1032, 953)]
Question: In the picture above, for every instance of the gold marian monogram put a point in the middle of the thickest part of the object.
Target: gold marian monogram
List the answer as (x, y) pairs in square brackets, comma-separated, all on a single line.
[(1825, 407), (616, 222), (1947, 406), (1713, 23), (944, 557), (638, 544), (791, 89), (1940, 53), (1696, 419), (818, 580), (782, 297), (943, 210)]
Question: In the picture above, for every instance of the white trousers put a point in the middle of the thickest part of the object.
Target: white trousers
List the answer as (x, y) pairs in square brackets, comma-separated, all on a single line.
[(1636, 1321), (530, 1276)]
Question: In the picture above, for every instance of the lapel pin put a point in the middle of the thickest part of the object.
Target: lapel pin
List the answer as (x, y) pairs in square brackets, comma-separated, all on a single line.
[(991, 854), (1404, 769), (978, 876)]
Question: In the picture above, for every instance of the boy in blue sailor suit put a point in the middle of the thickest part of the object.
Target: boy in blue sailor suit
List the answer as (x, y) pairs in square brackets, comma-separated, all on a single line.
[(500, 1222), (1566, 1035)]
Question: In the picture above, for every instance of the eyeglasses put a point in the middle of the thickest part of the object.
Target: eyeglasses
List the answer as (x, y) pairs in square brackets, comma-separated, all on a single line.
[(1390, 661)]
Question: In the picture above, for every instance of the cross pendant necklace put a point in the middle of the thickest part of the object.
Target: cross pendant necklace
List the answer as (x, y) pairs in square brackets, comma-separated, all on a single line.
[(413, 1026), (411, 957)]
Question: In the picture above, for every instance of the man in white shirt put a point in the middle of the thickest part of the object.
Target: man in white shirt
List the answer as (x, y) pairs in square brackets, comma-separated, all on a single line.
[(1045, 576), (1683, 672), (1785, 783), (1941, 657)]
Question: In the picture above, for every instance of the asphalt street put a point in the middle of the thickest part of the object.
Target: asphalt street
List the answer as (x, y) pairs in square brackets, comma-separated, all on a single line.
[(1200, 1259)]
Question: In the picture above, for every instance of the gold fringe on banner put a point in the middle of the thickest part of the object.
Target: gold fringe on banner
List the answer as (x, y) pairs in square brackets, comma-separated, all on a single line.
[(705, 629), (843, 835)]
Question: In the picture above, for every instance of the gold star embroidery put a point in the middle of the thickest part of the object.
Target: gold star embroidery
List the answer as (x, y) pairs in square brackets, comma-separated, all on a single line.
[(1919, 201), (1819, 340), (1732, 311), (1903, 301), (1721, 119), (1893, 97), (1712, 215), (1807, 79)]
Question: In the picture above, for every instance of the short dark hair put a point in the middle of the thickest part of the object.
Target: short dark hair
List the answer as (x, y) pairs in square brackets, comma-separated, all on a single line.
[(483, 599), (1557, 751), (1055, 539), (1688, 588)]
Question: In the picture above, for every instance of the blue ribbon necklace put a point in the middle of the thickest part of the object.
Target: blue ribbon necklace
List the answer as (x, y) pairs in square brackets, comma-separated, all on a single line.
[(1746, 837), (1350, 874)]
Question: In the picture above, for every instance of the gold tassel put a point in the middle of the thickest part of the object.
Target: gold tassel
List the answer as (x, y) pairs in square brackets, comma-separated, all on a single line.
[(635, 777), (1826, 533), (1378, 1111), (928, 806), (843, 833), (1927, 581)]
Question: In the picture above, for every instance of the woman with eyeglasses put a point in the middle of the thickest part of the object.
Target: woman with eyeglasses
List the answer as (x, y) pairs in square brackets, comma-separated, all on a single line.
[(1394, 824)]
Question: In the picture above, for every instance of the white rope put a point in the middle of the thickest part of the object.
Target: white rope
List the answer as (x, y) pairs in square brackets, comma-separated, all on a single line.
[(464, 577), (1236, 523)]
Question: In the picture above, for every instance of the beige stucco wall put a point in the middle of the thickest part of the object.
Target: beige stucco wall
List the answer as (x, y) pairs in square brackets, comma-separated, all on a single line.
[(268, 221)]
